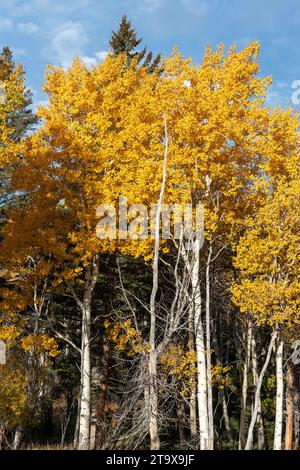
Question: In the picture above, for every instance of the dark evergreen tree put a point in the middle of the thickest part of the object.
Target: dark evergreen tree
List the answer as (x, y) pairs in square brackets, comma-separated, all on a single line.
[(22, 118), (125, 41)]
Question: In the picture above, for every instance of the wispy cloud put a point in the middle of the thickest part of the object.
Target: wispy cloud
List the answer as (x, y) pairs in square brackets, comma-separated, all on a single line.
[(5, 24), (28, 28), (68, 40), (30, 8), (58, 6), (279, 93), (150, 6), (101, 55), (196, 7), (92, 61), (18, 51), (281, 41), (15, 8), (89, 61), (282, 85), (83, 28)]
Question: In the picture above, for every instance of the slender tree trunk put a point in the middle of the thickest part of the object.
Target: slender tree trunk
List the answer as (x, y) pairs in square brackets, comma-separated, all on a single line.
[(76, 430), (69, 403), (193, 400), (247, 342), (152, 364), (95, 380), (85, 412), (103, 395), (297, 412), (17, 438), (260, 422), (200, 351), (2, 432), (289, 407), (218, 348), (279, 397), (85, 399), (208, 353), (180, 422), (153, 401), (257, 393), (105, 360), (225, 414)]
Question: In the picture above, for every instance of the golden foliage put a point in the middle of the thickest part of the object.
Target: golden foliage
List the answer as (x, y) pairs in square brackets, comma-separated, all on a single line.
[(12, 393), (268, 257), (181, 364), (39, 343), (220, 375), (125, 337)]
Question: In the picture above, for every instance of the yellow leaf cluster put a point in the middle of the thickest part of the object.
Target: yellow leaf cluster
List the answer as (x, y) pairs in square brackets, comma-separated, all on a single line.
[(220, 375), (181, 364), (40, 343), (125, 337), (12, 394), (268, 257)]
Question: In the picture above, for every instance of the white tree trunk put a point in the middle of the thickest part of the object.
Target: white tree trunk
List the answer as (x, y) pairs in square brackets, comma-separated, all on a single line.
[(95, 379), (76, 431), (200, 351), (153, 402), (225, 413), (289, 422), (152, 364), (208, 353), (17, 438), (247, 341), (193, 399), (260, 422), (257, 393), (85, 398), (279, 397), (296, 416)]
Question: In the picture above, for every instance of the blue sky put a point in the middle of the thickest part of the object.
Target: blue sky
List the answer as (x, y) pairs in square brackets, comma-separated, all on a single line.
[(53, 31)]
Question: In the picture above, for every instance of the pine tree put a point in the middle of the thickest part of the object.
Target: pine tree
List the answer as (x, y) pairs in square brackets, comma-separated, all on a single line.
[(17, 118), (21, 119), (125, 41)]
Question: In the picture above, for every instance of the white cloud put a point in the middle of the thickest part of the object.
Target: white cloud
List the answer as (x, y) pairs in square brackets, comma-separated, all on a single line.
[(58, 6), (18, 51), (196, 7), (67, 42), (149, 6), (281, 41), (89, 61), (282, 85), (101, 55), (5, 24), (92, 61), (272, 97), (13, 7), (278, 95), (28, 28)]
